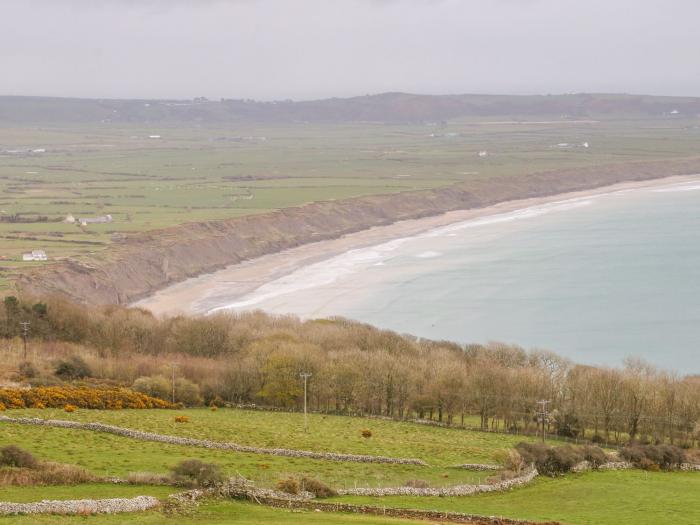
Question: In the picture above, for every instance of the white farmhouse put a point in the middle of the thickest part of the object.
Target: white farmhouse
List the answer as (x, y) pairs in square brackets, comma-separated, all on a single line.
[(35, 255)]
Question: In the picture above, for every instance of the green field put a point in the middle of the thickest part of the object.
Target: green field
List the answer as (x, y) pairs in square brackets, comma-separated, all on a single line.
[(595, 498), (219, 513), (200, 173), (106, 454), (604, 498)]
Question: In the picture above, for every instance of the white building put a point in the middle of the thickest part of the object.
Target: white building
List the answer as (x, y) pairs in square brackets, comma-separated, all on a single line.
[(35, 255)]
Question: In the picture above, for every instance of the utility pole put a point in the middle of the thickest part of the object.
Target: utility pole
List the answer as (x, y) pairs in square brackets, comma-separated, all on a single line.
[(25, 335), (305, 376), (543, 416), (173, 365)]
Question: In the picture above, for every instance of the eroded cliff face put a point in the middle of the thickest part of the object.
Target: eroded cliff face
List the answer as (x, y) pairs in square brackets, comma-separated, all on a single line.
[(147, 262)]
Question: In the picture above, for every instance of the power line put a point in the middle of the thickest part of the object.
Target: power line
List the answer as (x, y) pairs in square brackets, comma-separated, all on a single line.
[(543, 416), (25, 335), (305, 376)]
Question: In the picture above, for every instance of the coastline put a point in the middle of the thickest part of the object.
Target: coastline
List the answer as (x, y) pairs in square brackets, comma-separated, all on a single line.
[(200, 294)]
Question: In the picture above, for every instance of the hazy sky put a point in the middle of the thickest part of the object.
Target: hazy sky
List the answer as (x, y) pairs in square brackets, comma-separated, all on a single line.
[(268, 49)]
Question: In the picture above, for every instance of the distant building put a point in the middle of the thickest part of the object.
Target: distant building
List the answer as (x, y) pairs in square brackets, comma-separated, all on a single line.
[(35, 255), (104, 219)]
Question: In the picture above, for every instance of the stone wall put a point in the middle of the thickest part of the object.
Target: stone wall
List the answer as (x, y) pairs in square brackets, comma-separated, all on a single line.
[(205, 443), (431, 515), (457, 490), (81, 506)]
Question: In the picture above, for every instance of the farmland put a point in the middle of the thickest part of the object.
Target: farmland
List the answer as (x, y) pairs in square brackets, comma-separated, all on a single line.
[(589, 498), (152, 177)]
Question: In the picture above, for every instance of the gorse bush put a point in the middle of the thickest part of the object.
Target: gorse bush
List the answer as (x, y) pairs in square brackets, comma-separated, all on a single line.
[(81, 397), (13, 456), (196, 473)]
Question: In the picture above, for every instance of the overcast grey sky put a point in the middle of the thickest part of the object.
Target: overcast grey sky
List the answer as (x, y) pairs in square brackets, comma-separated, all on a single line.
[(301, 49)]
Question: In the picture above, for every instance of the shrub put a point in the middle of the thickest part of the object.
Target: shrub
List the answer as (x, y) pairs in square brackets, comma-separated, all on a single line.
[(417, 484), (73, 368), (187, 392), (366, 433), (596, 456), (13, 456), (550, 460), (193, 472), (654, 457), (70, 408), (317, 488), (156, 386), (2, 407), (510, 459), (27, 370), (289, 485), (82, 397), (597, 439), (182, 419)]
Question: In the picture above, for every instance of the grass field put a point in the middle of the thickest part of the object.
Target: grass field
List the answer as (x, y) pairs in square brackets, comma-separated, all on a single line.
[(219, 513), (601, 498), (195, 174), (437, 446), (106, 454), (595, 498)]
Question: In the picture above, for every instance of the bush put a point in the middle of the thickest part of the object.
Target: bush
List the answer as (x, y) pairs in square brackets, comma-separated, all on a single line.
[(317, 488), (27, 370), (193, 472), (70, 408), (417, 484), (73, 368), (156, 386), (550, 460), (654, 457), (81, 397), (366, 433), (510, 459), (596, 456), (13, 456), (289, 485)]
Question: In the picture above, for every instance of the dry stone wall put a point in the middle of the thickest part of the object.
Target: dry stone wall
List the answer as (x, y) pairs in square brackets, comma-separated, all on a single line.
[(457, 490), (81, 506), (205, 443)]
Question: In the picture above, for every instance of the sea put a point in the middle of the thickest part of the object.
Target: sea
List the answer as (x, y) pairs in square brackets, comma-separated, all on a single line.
[(594, 279)]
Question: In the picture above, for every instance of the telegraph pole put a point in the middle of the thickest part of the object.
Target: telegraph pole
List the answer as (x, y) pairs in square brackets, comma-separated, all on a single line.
[(25, 335), (543, 416), (173, 365), (305, 376)]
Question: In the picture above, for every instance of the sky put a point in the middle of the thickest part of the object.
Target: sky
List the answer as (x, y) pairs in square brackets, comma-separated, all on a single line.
[(308, 49)]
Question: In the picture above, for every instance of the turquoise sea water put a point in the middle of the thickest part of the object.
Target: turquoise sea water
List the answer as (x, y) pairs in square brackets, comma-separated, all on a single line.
[(594, 279)]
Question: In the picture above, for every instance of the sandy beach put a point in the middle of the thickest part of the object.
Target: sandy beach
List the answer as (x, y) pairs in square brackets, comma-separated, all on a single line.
[(201, 294)]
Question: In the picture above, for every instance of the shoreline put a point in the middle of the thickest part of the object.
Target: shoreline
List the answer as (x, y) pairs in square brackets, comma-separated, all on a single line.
[(199, 295)]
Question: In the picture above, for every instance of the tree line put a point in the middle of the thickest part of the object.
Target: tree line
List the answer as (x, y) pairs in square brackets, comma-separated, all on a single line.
[(247, 358)]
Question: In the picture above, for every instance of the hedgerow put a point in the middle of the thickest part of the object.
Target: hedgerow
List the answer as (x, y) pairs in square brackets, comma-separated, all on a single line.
[(81, 397)]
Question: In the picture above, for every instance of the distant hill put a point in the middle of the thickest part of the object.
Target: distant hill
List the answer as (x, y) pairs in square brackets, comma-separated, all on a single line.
[(386, 107)]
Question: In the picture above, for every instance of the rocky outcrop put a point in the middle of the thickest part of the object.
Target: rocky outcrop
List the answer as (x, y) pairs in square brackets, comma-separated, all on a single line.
[(205, 443), (457, 490), (81, 506), (130, 270)]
